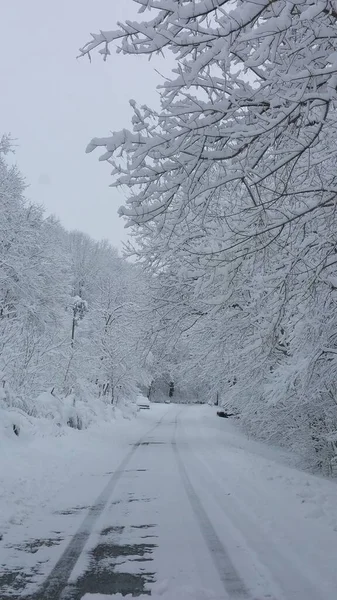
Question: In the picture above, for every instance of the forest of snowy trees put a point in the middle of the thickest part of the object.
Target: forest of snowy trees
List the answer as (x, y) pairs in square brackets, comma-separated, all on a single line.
[(73, 316), (76, 334), (230, 195), (231, 190)]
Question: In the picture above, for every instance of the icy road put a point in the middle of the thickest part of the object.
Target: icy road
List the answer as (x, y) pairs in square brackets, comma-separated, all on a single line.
[(189, 509)]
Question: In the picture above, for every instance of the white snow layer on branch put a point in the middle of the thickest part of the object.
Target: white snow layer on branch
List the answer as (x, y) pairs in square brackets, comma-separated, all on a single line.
[(232, 200)]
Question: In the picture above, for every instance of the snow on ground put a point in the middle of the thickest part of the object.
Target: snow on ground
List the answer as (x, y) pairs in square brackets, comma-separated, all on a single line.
[(162, 591), (40, 463), (276, 524), (283, 519), (197, 508)]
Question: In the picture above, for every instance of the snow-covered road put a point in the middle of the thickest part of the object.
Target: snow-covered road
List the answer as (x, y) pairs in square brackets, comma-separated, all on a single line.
[(190, 509)]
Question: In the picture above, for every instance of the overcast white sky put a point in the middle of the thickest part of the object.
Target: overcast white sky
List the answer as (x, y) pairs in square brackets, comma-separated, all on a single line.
[(53, 104)]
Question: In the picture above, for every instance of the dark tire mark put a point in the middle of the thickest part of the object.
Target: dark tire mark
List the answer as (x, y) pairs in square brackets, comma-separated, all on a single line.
[(57, 579), (228, 574), (61, 572)]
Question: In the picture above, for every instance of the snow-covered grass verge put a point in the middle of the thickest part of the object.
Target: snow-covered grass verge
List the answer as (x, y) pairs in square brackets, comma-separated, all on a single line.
[(49, 412)]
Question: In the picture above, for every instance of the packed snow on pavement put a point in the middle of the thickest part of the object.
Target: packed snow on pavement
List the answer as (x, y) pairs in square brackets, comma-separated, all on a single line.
[(189, 509)]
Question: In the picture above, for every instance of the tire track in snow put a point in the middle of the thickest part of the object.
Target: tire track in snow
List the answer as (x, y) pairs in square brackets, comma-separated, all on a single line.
[(57, 579), (274, 561), (230, 578)]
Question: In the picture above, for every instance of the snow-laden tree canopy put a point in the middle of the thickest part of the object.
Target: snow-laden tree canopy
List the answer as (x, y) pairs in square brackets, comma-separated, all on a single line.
[(231, 190), (249, 111)]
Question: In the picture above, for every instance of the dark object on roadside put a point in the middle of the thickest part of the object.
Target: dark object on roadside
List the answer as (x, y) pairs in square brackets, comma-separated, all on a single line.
[(224, 414)]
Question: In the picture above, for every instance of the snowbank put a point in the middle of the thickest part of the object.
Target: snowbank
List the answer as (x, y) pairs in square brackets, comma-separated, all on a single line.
[(49, 413)]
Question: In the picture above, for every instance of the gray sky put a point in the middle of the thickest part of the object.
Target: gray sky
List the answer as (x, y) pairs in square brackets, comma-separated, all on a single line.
[(54, 104)]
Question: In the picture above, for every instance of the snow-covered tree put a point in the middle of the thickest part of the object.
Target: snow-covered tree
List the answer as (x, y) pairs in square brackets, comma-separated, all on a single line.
[(33, 286), (231, 199), (254, 93), (72, 314)]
